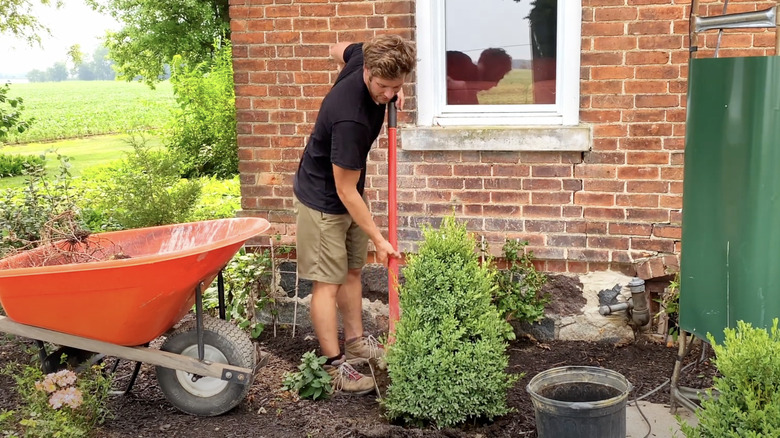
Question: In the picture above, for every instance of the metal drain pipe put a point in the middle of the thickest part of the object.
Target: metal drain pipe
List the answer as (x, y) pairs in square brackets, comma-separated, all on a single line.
[(640, 315), (636, 305)]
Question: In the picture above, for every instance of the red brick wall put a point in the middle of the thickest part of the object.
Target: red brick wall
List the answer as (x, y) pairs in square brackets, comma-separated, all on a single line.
[(609, 208)]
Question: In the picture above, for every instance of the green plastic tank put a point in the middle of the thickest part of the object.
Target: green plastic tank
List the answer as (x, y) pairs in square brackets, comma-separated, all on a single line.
[(730, 260)]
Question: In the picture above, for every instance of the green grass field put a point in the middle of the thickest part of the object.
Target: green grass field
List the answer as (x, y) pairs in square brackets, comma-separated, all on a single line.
[(83, 153), (516, 88), (83, 108)]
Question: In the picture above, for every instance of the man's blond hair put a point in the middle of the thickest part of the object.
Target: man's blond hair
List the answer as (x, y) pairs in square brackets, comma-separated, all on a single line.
[(389, 56)]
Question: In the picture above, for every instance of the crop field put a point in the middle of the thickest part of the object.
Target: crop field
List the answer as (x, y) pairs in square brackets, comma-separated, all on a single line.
[(516, 88), (84, 108)]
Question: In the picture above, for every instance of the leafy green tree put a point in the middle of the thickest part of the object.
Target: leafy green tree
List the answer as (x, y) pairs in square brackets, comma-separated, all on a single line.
[(203, 131), (101, 65), (11, 114), (155, 31), (98, 68), (57, 72), (36, 76), (84, 72), (76, 57), (16, 18)]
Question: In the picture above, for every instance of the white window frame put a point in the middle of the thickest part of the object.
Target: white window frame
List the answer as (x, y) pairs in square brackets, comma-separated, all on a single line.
[(432, 109)]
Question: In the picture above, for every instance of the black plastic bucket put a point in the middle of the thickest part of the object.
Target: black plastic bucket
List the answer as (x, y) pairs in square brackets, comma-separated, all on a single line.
[(579, 402)]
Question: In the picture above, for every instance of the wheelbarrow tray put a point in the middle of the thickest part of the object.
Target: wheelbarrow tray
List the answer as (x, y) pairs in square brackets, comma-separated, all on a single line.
[(124, 301)]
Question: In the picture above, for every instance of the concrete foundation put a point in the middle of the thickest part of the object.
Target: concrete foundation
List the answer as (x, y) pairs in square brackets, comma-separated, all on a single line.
[(571, 315)]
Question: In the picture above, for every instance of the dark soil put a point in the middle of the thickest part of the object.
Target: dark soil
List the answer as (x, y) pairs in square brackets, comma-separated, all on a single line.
[(269, 412)]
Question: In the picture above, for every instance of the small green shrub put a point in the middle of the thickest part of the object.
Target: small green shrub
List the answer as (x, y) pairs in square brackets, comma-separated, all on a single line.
[(220, 198), (14, 165), (669, 305), (203, 131), (518, 294), (246, 274), (44, 206), (59, 404), (448, 362), (144, 189), (748, 392), (311, 380)]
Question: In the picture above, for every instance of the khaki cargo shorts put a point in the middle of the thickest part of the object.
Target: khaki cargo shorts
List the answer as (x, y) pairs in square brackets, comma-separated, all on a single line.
[(328, 245)]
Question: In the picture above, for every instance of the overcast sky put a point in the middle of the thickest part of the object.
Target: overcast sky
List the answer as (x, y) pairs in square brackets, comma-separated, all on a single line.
[(73, 23), (472, 26)]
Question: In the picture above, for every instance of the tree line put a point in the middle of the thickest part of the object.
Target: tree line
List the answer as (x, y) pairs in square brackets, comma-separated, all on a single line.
[(98, 68)]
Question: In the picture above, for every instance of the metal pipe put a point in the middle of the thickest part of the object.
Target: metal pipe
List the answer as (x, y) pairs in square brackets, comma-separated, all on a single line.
[(720, 31), (683, 400), (692, 36), (610, 308), (740, 20), (640, 314), (777, 35)]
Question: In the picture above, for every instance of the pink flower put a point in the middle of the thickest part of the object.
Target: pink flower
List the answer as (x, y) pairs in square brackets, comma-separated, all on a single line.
[(65, 378), (47, 385), (69, 397)]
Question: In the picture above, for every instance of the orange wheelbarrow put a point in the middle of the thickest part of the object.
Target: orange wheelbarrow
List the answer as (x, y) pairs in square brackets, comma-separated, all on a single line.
[(136, 285)]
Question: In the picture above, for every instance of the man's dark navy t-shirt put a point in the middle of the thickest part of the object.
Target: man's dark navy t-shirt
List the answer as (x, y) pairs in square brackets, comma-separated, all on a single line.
[(347, 125)]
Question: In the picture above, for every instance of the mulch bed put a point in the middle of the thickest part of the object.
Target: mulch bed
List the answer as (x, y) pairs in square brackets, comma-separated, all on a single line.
[(268, 412)]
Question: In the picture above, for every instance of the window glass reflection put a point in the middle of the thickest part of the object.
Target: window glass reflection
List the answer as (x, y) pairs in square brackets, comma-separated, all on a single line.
[(500, 52)]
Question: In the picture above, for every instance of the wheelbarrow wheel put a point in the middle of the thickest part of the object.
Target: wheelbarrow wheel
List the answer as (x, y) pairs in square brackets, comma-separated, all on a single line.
[(207, 396)]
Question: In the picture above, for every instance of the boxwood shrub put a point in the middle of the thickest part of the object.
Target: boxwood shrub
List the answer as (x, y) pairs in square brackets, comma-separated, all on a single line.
[(448, 362), (747, 398)]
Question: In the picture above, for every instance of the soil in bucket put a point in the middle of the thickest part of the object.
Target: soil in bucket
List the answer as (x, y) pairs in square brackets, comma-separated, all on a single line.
[(579, 402), (579, 392)]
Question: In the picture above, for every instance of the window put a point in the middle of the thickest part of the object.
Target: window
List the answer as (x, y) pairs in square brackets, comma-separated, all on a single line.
[(498, 62)]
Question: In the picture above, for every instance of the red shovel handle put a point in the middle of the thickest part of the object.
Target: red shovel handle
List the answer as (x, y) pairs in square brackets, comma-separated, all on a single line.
[(392, 215)]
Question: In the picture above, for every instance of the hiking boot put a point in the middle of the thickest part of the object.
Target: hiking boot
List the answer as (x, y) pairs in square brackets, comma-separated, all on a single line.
[(364, 349), (347, 379)]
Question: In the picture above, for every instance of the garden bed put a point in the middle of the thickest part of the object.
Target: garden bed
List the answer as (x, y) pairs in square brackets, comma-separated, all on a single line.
[(268, 412)]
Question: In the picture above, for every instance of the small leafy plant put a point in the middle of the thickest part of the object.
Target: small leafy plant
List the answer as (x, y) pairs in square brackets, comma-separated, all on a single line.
[(448, 363), (13, 165), (518, 295), (61, 404), (748, 391), (219, 198), (142, 190), (245, 276), (669, 305), (311, 381), (44, 203)]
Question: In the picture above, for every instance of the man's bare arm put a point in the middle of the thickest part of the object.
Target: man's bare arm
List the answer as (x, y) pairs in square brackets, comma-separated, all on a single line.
[(337, 52), (346, 186)]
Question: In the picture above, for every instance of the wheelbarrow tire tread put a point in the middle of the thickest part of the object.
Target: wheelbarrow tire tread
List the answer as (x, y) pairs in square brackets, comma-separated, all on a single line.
[(232, 342)]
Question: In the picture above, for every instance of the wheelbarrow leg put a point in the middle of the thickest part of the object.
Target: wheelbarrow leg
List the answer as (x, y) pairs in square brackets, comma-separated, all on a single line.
[(130, 384), (41, 351), (221, 294), (133, 376), (199, 319)]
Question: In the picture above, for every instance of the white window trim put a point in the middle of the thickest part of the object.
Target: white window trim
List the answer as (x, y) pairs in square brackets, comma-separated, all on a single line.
[(431, 110)]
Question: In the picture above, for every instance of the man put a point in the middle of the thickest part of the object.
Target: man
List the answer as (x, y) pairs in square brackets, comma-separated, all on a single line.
[(465, 79), (333, 221)]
